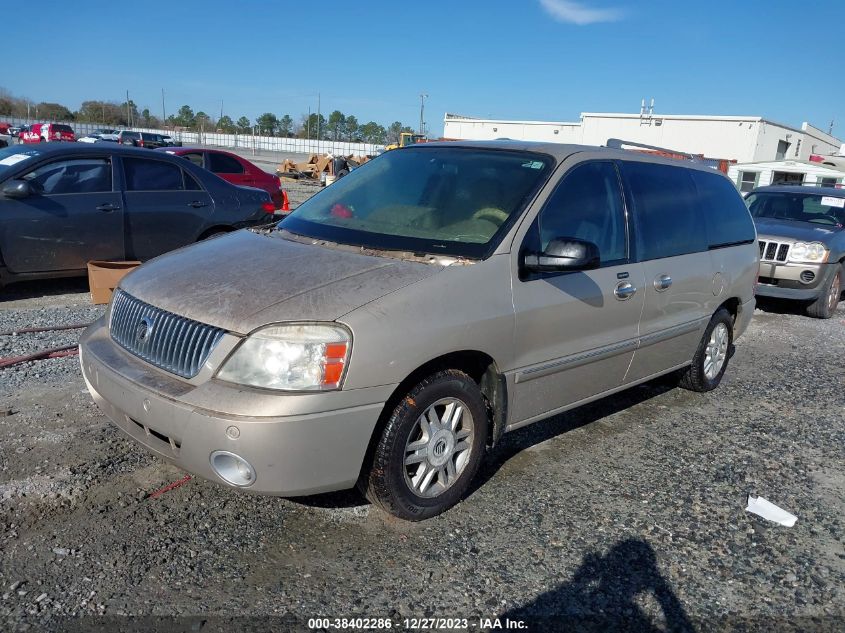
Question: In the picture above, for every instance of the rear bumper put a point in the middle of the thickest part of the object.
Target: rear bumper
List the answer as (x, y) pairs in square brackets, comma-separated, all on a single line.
[(743, 318), (297, 454)]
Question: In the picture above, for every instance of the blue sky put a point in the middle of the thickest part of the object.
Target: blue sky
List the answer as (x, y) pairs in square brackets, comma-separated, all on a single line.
[(517, 59)]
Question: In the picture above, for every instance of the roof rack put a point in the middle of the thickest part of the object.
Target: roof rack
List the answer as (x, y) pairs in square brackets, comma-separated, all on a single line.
[(618, 143)]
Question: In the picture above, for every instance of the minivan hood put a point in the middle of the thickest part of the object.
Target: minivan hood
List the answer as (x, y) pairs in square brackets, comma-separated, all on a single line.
[(244, 280), (795, 230)]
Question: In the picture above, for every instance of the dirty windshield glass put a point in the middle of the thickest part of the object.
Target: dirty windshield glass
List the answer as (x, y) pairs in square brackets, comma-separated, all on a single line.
[(801, 207), (444, 200), (10, 156)]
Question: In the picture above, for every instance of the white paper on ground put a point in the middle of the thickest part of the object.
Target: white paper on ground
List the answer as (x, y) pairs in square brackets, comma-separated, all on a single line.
[(768, 510)]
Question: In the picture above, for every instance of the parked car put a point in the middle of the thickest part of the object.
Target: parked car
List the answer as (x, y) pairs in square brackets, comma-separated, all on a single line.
[(802, 244), (15, 131), (99, 135), (47, 132), (140, 139), (169, 141), (234, 168), (404, 318), (62, 205)]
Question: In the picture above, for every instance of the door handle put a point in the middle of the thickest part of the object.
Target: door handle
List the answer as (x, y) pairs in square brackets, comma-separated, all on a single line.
[(625, 290), (196, 204), (108, 207), (662, 283)]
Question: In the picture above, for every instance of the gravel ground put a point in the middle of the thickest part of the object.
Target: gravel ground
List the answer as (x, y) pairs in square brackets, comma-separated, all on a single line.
[(626, 513)]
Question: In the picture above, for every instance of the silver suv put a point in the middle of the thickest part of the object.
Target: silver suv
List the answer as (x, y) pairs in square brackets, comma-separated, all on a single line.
[(802, 245), (432, 300)]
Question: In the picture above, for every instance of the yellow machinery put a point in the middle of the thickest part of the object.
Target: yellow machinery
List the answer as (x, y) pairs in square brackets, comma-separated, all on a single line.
[(407, 138)]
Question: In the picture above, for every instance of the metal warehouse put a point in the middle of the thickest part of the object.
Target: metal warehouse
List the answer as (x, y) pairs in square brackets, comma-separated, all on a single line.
[(738, 138)]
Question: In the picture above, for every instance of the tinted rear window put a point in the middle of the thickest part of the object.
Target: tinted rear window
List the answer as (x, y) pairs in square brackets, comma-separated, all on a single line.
[(668, 219), (63, 128), (725, 215), (222, 164), (151, 175)]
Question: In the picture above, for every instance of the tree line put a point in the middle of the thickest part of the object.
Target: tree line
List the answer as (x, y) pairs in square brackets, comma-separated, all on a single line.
[(337, 127)]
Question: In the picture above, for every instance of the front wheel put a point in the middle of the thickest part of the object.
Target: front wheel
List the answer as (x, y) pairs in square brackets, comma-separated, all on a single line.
[(711, 358), (430, 449), (825, 305)]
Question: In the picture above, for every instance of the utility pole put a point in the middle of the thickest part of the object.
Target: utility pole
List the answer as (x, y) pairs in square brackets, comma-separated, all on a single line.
[(163, 114), (318, 116), (221, 109), (308, 124), (128, 111), (422, 111)]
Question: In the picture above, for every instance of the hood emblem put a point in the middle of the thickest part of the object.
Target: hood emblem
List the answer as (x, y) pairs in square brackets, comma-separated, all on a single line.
[(143, 330)]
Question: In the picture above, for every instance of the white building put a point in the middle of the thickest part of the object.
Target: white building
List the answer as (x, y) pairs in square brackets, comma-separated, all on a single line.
[(747, 176), (743, 139)]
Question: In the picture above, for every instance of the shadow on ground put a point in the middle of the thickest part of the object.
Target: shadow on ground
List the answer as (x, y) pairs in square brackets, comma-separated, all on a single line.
[(43, 288), (606, 593)]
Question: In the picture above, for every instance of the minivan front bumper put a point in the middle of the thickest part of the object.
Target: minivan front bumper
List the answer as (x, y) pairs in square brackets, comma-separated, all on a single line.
[(784, 281), (317, 448)]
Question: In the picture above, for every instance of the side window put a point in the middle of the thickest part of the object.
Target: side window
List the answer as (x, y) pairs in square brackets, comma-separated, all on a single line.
[(83, 175), (668, 219), (222, 164), (151, 175), (191, 183), (748, 180), (194, 157), (587, 205), (725, 214)]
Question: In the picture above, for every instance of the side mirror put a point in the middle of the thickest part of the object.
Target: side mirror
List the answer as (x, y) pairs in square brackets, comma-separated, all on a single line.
[(564, 254), (17, 189)]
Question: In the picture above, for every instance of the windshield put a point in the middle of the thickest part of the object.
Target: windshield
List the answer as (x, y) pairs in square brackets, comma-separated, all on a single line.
[(442, 200), (15, 154), (799, 207)]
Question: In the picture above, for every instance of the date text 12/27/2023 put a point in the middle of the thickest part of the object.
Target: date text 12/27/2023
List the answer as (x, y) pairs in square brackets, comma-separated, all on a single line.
[(417, 624)]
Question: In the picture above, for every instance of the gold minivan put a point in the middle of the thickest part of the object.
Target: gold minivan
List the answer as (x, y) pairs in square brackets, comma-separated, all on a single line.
[(395, 325)]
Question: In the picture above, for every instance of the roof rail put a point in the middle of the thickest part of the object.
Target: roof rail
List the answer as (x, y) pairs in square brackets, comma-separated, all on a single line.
[(617, 143)]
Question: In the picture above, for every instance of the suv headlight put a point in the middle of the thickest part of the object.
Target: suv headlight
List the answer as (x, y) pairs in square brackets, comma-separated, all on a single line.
[(812, 252), (291, 357)]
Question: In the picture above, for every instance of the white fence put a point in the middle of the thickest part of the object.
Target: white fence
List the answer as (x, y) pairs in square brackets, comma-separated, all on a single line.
[(244, 141)]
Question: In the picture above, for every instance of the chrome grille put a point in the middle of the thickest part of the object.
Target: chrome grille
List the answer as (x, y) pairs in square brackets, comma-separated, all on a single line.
[(773, 251), (166, 340)]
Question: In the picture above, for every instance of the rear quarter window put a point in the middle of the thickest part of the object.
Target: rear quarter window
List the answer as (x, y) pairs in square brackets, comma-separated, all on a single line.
[(726, 218), (668, 220)]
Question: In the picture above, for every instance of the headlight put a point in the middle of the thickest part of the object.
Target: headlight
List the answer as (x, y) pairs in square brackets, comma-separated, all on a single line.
[(294, 357), (813, 252)]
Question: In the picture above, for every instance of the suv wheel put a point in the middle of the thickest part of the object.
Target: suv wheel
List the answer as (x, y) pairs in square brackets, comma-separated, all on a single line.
[(711, 358), (825, 305), (430, 449)]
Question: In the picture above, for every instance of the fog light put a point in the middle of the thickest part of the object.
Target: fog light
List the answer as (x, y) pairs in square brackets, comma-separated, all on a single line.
[(807, 276), (232, 468)]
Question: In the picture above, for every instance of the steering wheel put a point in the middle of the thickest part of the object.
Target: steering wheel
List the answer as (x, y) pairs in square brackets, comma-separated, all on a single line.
[(491, 214)]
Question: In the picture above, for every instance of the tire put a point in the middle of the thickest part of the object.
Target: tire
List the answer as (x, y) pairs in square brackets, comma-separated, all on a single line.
[(825, 305), (212, 235), (700, 375), (401, 489), (342, 173)]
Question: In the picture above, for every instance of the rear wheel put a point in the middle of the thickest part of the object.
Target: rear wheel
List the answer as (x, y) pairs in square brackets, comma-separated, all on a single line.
[(430, 449), (825, 305), (711, 358)]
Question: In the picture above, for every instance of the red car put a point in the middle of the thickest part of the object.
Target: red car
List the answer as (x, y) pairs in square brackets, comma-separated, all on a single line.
[(234, 169), (44, 132)]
